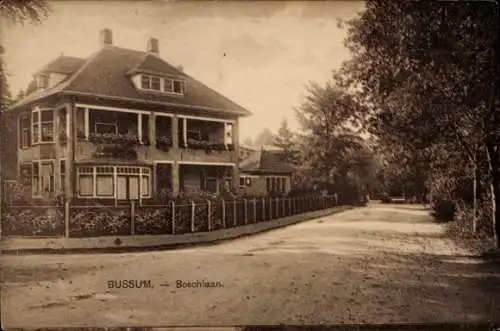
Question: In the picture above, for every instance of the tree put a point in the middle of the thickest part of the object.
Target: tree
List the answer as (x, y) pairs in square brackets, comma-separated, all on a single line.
[(429, 75), (265, 137), (287, 140), (18, 12), (33, 11), (332, 148)]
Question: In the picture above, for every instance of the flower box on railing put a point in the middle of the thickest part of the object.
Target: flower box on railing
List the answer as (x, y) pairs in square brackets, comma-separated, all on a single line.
[(163, 143), (114, 138), (208, 146)]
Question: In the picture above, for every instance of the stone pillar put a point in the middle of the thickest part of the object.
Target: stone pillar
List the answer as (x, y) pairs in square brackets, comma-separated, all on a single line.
[(175, 178), (175, 131)]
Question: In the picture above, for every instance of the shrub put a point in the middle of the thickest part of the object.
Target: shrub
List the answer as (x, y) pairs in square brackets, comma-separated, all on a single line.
[(385, 198), (444, 210), (100, 221), (33, 221), (153, 220)]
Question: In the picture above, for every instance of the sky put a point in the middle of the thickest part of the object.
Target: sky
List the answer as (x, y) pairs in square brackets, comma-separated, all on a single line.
[(261, 55)]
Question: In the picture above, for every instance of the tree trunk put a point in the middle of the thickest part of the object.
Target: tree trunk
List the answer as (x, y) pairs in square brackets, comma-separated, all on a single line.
[(493, 165)]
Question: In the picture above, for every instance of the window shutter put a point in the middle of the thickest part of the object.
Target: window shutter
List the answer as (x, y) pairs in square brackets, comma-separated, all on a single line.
[(185, 87)]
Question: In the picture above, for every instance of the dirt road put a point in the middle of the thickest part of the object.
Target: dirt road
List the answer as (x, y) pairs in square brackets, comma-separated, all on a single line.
[(379, 264)]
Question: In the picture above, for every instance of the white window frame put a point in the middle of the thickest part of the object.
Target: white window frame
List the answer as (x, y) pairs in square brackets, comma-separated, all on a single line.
[(39, 179), (39, 123), (277, 181), (247, 181), (117, 170), (149, 80), (24, 140)]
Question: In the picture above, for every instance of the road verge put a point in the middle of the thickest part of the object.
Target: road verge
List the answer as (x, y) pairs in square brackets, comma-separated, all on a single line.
[(116, 244)]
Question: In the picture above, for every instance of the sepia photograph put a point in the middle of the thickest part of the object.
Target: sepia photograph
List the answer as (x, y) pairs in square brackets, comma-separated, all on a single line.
[(230, 165)]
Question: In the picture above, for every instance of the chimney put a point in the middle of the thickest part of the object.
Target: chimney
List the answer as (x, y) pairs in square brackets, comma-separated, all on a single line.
[(180, 68), (153, 46), (106, 37)]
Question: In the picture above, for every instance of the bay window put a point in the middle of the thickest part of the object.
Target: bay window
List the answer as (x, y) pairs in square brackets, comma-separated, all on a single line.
[(42, 126), (119, 182)]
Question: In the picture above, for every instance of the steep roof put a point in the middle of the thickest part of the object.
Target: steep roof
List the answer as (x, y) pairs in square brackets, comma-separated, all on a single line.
[(107, 74), (266, 161), (64, 65)]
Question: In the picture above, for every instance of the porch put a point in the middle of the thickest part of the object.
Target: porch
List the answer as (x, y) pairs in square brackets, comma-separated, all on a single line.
[(193, 178)]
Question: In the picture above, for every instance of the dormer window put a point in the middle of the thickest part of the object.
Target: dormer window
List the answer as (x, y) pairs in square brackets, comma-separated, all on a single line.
[(162, 84), (145, 82), (173, 86), (43, 81)]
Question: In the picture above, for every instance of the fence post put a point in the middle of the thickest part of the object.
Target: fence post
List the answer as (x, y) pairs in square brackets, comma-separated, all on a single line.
[(132, 217), (234, 212), (278, 207), (246, 211), (209, 214), (173, 217), (254, 209), (263, 209), (283, 207), (223, 214), (270, 208), (66, 219), (193, 207)]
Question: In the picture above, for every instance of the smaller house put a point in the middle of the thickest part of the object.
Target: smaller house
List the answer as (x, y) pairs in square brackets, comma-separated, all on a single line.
[(265, 171)]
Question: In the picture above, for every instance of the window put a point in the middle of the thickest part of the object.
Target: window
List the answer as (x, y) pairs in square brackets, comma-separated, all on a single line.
[(120, 182), (145, 185), (105, 182), (177, 87), (42, 177), (47, 178), (43, 81), (42, 130), (155, 83), (86, 181), (62, 174), (174, 86), (167, 85), (24, 132), (145, 82), (26, 173), (276, 184), (245, 181), (106, 128)]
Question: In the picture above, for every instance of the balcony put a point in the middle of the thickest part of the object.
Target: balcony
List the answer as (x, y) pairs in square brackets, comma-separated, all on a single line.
[(103, 135)]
